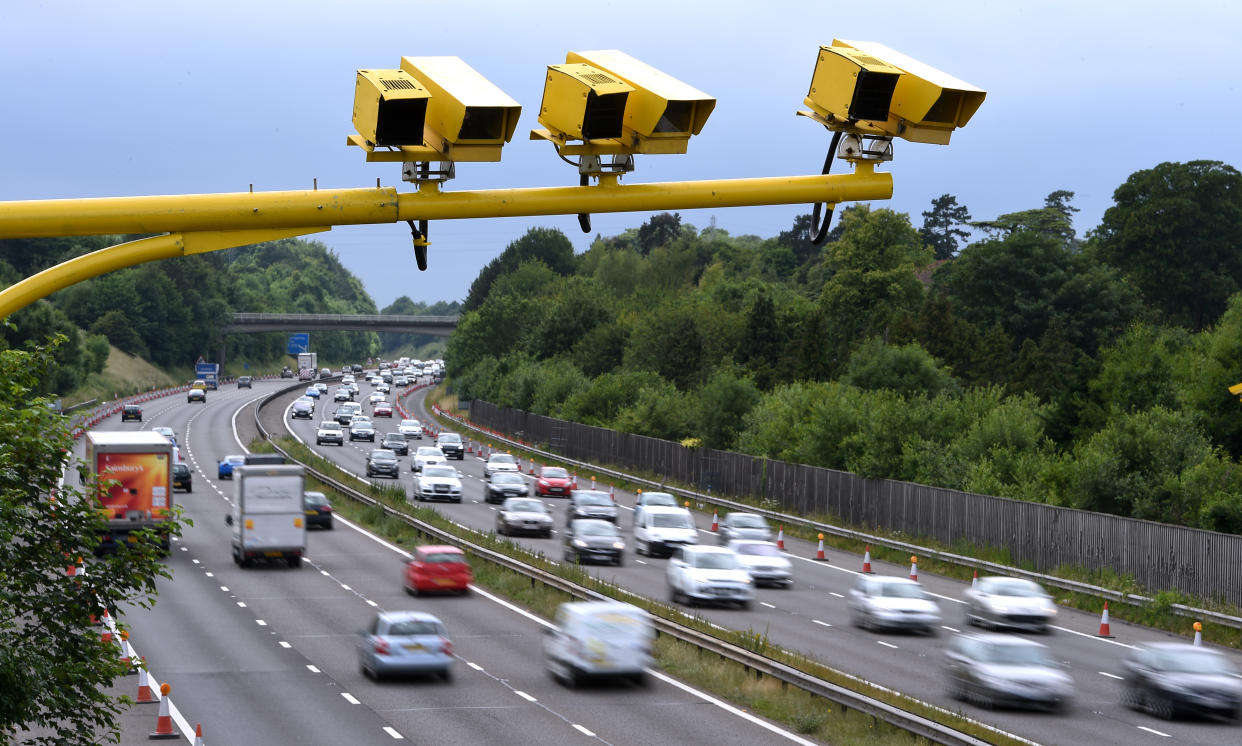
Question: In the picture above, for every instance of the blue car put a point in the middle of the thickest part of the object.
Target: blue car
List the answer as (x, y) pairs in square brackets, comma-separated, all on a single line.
[(224, 467), (312, 392)]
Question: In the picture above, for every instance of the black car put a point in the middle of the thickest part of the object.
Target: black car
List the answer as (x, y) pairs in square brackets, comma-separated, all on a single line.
[(591, 504), (194, 395), (395, 442), (181, 477), (245, 382), (382, 462), (593, 541), (451, 444), (318, 510), (286, 372), (505, 485), (131, 412), (1169, 679)]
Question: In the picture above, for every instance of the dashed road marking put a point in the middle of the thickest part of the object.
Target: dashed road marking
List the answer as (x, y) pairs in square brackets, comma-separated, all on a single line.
[(524, 695), (834, 593), (584, 730), (350, 698), (822, 624), (260, 622), (1110, 675), (765, 603), (284, 644), (311, 668), (392, 732), (1153, 730), (886, 644), (951, 629)]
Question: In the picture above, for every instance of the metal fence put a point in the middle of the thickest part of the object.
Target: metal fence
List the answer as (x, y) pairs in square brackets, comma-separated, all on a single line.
[(1204, 564)]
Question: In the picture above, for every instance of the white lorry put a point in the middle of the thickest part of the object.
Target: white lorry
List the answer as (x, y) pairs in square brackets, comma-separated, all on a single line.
[(268, 518), (135, 472), (308, 366)]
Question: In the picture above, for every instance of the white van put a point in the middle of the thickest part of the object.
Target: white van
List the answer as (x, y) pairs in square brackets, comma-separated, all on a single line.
[(268, 517), (599, 639), (661, 530)]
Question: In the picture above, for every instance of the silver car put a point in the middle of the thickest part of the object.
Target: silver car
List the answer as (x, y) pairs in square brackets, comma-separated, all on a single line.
[(523, 515), (764, 560), (743, 526), (1009, 602), (886, 602), (405, 642), (994, 669)]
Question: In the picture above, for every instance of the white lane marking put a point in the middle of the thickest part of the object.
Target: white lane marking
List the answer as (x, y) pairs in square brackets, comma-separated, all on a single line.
[(474, 665), (184, 549), (284, 644), (392, 732), (350, 698), (224, 588), (210, 574), (833, 593), (260, 622), (370, 602), (951, 629), (1153, 730), (311, 668), (323, 572), (824, 624), (194, 561), (641, 562), (241, 604), (1110, 675), (886, 644), (524, 695), (584, 731), (342, 584), (765, 603)]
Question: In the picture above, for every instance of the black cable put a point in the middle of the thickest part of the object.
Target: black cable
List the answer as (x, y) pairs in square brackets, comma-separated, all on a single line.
[(821, 230), (584, 218), (420, 250)]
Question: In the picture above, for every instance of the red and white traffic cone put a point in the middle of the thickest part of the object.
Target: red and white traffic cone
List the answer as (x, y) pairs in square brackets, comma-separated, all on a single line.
[(1198, 634), (532, 467), (127, 653), (144, 689), (819, 553), (470, 447), (867, 560), (974, 581), (715, 521), (612, 492), (198, 735), (592, 482), (1104, 632), (780, 537), (163, 723), (914, 568)]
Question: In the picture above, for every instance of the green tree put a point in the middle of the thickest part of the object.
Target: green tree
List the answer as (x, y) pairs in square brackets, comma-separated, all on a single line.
[(660, 230), (942, 226), (1054, 220), (548, 245), (1176, 232), (907, 370), (723, 404), (54, 671)]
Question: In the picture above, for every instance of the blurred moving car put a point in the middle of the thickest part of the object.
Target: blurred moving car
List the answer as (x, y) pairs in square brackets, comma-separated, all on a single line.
[(302, 408), (554, 481), (330, 431), (225, 466), (405, 642), (437, 482), (181, 479), (593, 540), (360, 428), (396, 443), (131, 412), (504, 486), (318, 510), (994, 669), (313, 392), (451, 445), (342, 394), (498, 463), (437, 569), (376, 397), (411, 429), (889, 602), (245, 382), (707, 573), (167, 432), (1167, 679), (193, 395), (346, 411), (652, 499), (523, 515), (427, 456), (743, 526), (382, 462), (591, 504), (764, 560), (1009, 602), (382, 409), (661, 530), (286, 372), (599, 639)]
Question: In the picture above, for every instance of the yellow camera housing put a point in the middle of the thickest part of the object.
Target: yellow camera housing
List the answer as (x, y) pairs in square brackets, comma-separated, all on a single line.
[(468, 116), (582, 102), (389, 108)]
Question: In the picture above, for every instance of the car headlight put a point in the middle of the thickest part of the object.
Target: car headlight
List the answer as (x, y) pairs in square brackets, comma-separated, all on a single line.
[(618, 545), (747, 581), (579, 543), (1000, 608)]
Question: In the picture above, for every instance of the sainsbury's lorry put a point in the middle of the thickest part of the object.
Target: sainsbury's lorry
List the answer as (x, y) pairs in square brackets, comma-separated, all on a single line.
[(135, 476), (268, 518)]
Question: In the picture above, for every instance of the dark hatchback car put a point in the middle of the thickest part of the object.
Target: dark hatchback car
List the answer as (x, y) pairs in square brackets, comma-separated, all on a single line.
[(381, 462), (131, 412), (181, 477), (1168, 679), (591, 504), (395, 442), (452, 446), (504, 486), (593, 541), (318, 510)]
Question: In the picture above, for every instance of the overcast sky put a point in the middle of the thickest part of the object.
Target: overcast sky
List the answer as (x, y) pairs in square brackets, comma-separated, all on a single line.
[(133, 98)]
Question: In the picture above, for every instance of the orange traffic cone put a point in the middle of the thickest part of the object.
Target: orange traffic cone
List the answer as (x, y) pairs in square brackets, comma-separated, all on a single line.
[(470, 447), (144, 689), (819, 553), (715, 521), (1104, 623), (914, 568), (1198, 634), (532, 467), (612, 492), (163, 723), (780, 537), (592, 482), (867, 560), (198, 735), (974, 581), (127, 653)]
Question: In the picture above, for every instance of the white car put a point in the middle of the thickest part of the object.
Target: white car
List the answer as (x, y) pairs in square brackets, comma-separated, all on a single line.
[(383, 388), (660, 530), (346, 380), (645, 499), (599, 638), (437, 482), (500, 462), (428, 456), (411, 429), (167, 432), (743, 526), (1009, 602), (376, 397), (706, 573), (887, 602), (330, 431), (765, 561)]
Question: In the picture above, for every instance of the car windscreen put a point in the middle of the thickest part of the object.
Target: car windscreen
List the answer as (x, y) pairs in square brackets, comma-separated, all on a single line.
[(409, 423), (595, 528), (659, 498), (430, 451), (383, 455), (413, 628), (507, 479), (1014, 588), (588, 498), (1183, 661), (715, 561), (314, 498), (901, 590), (450, 438), (1015, 655), (329, 426), (443, 558), (555, 472), (747, 521), (671, 521), (501, 458), (439, 471), (526, 506), (758, 550)]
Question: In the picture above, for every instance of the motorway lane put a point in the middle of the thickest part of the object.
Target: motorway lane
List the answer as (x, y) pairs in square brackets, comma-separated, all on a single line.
[(255, 634), (908, 663)]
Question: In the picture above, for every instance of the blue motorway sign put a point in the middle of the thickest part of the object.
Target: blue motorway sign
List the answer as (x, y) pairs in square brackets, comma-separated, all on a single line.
[(299, 343)]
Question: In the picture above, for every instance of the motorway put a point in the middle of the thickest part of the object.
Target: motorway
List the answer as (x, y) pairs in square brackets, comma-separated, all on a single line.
[(266, 655)]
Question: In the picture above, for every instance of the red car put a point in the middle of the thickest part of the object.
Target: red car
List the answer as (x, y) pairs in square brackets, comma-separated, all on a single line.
[(382, 409), (437, 569), (554, 482)]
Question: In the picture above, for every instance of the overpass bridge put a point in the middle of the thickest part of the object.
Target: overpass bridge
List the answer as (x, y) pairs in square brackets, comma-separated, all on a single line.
[(242, 323)]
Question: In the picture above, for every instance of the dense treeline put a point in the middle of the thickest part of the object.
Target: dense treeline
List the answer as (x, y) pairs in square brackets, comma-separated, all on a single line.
[(1031, 363)]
